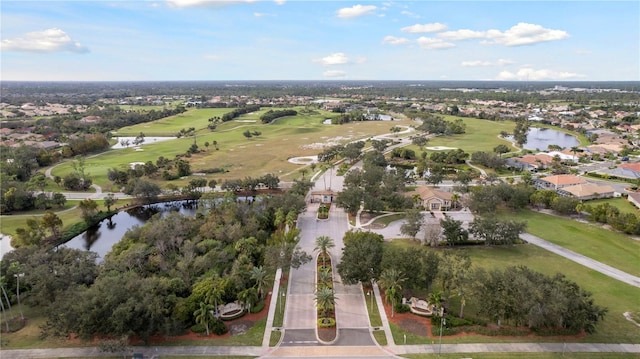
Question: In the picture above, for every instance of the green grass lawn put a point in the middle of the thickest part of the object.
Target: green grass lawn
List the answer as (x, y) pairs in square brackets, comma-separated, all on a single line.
[(9, 223), (169, 126), (615, 249), (524, 355), (268, 153), (623, 205), (480, 135), (618, 297)]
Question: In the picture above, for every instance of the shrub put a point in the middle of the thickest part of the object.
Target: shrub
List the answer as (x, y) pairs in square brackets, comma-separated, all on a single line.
[(218, 327), (326, 322), (258, 307), (402, 308), (198, 328)]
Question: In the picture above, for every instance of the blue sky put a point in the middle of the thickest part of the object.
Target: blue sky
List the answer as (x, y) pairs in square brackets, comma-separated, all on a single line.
[(315, 40)]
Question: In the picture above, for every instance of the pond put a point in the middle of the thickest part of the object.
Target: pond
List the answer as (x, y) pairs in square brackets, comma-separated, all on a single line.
[(126, 142), (541, 138), (103, 236)]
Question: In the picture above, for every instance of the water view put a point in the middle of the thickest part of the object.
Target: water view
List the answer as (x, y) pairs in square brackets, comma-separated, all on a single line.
[(541, 138), (102, 237)]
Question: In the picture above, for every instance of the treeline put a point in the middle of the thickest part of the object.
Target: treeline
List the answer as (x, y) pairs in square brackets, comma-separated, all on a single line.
[(519, 297), (157, 279), (111, 118), (437, 125), (239, 111), (628, 223), (271, 115)]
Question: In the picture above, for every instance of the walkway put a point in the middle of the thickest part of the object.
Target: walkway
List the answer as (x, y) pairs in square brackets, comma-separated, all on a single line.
[(585, 261), (326, 351)]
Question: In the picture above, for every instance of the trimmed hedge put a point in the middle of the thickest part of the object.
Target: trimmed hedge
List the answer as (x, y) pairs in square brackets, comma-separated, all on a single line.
[(326, 322)]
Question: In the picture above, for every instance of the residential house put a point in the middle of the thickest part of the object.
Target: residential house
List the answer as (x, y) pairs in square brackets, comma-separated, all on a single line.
[(634, 198), (587, 191), (431, 199), (557, 182), (531, 163)]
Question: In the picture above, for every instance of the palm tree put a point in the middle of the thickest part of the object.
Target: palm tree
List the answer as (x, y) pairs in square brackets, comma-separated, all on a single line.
[(391, 280), (248, 297), (215, 295), (325, 299), (204, 314), (322, 244), (259, 274), (454, 199), (435, 298), (324, 277)]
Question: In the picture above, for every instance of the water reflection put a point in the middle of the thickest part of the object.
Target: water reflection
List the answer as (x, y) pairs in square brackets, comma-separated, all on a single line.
[(100, 238), (541, 138)]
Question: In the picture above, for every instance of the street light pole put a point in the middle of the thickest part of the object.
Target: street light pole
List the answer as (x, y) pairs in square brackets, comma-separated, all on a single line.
[(442, 321)]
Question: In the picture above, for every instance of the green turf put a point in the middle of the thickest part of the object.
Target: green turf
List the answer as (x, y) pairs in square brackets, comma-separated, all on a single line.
[(480, 135), (169, 126), (622, 204), (268, 153), (615, 249), (524, 355)]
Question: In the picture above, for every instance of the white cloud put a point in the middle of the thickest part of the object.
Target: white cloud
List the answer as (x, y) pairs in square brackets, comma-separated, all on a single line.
[(355, 11), (334, 74), (50, 40), (499, 62), (463, 34), (210, 3), (531, 74), (263, 14), (410, 14), (392, 40), (337, 58), (517, 35), (525, 34), (280, 2), (433, 44), (422, 28)]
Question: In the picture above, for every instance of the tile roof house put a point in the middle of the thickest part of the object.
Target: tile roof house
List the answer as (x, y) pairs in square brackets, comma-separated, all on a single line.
[(431, 199), (587, 191), (558, 181), (531, 162)]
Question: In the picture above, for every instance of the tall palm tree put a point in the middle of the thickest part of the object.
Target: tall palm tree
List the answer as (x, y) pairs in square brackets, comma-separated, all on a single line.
[(325, 299), (391, 280), (322, 244), (248, 297), (259, 274), (204, 314)]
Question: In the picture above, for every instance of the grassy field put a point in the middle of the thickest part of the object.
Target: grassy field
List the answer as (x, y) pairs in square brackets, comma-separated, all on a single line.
[(480, 135), (69, 216), (618, 297), (268, 153), (615, 249), (524, 356), (623, 205), (169, 126)]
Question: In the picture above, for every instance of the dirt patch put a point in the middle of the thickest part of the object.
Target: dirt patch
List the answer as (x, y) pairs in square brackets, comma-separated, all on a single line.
[(327, 334)]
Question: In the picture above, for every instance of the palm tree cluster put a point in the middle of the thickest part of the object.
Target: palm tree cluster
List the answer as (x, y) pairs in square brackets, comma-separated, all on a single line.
[(325, 296)]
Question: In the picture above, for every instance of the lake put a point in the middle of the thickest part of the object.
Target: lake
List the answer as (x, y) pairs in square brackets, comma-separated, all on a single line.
[(541, 138), (103, 236)]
